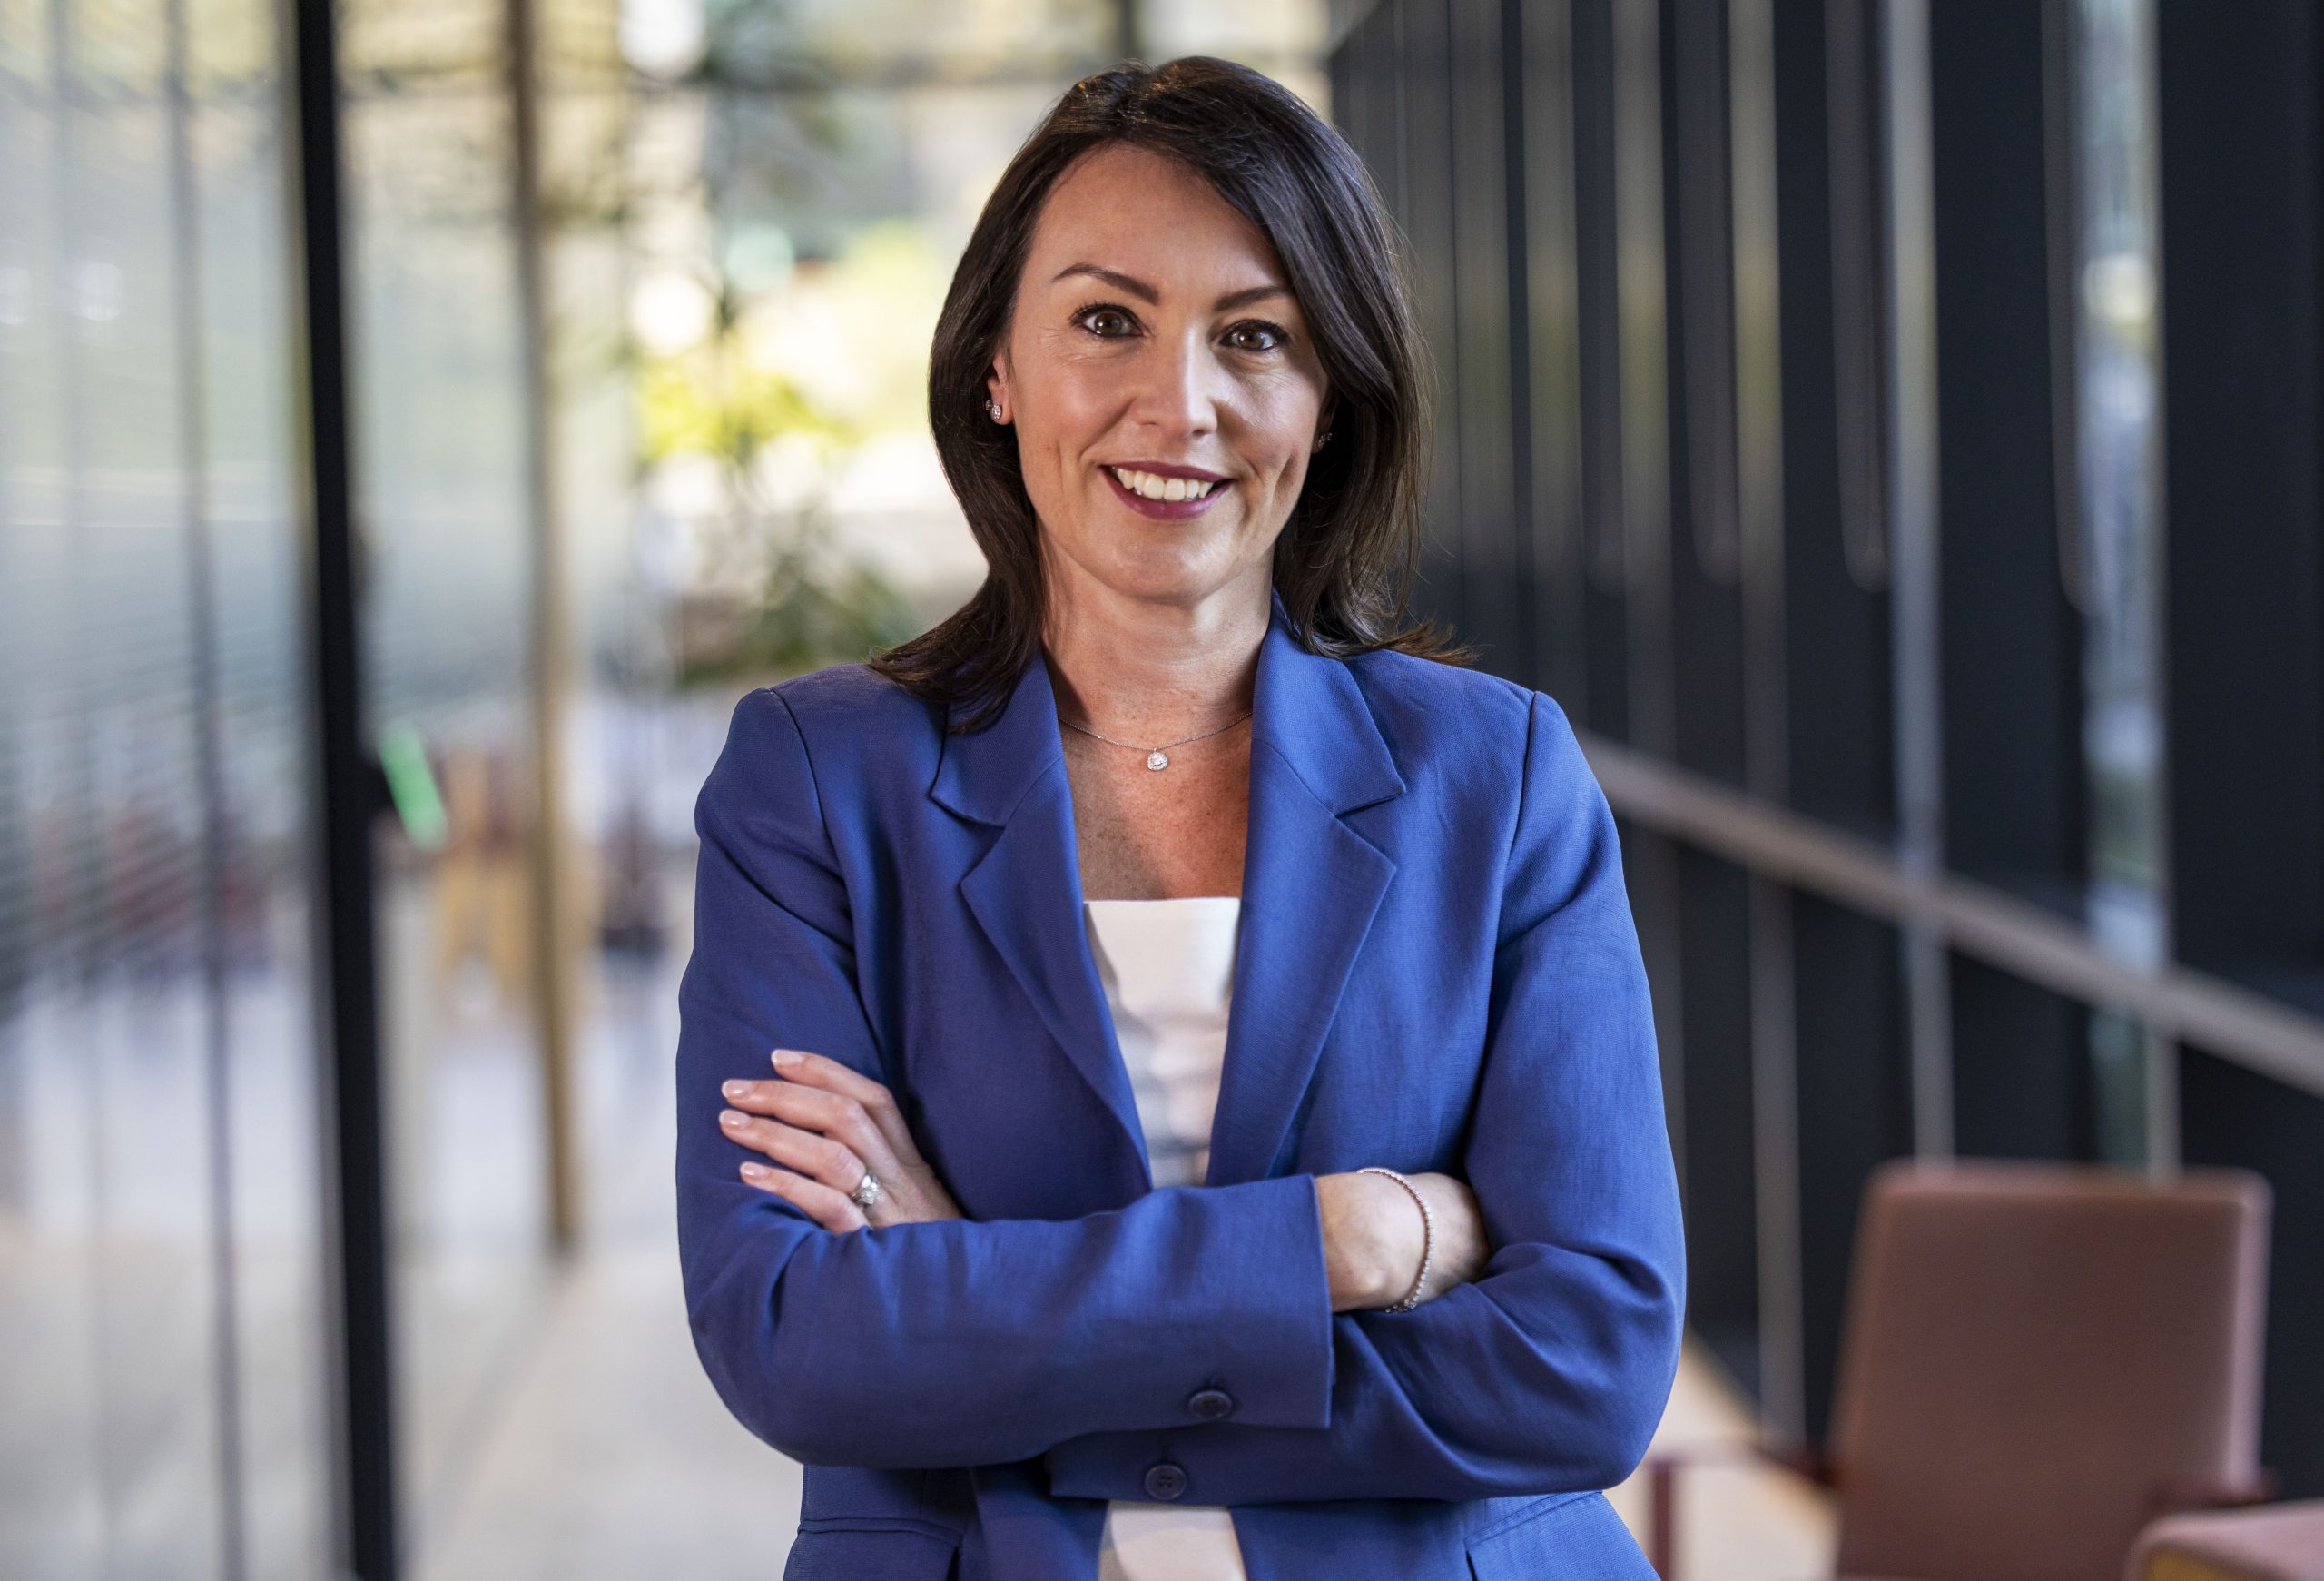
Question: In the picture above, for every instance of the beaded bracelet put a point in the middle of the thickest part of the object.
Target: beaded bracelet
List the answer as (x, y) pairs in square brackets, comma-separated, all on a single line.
[(1427, 1237)]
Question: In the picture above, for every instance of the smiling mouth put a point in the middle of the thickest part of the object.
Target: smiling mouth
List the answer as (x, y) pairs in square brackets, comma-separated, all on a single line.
[(1164, 490)]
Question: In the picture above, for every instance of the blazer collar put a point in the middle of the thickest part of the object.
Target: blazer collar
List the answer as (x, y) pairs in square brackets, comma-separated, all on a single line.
[(1305, 707), (1311, 885)]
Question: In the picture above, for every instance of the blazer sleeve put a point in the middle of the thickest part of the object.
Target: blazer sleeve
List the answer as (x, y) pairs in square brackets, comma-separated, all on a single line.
[(939, 1344), (1550, 1370)]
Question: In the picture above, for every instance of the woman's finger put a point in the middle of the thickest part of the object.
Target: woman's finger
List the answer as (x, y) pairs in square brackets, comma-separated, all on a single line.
[(831, 1210), (821, 1101), (811, 1154), (823, 1071), (837, 1115), (836, 1076)]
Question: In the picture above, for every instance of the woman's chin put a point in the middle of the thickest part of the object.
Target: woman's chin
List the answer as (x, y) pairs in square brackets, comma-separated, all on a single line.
[(1182, 581), (1159, 562)]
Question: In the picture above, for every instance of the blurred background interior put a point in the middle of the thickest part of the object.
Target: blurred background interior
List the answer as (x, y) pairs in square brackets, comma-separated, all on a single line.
[(1891, 429)]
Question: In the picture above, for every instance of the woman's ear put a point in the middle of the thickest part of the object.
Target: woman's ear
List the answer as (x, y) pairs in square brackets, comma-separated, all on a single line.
[(996, 386)]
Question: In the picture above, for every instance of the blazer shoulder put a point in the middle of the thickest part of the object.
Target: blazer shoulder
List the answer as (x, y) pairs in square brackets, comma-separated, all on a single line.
[(854, 721), (846, 701), (847, 694), (1449, 718)]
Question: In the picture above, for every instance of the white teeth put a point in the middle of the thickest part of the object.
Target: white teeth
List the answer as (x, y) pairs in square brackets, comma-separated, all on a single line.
[(1165, 489)]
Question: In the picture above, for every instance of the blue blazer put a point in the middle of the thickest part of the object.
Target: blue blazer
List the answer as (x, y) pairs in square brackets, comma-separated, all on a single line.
[(1436, 970)]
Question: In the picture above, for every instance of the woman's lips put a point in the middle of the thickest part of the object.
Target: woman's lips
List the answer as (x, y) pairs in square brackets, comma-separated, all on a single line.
[(1162, 509)]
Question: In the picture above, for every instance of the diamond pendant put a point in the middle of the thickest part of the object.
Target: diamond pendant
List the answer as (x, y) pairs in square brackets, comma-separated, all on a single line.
[(1157, 759)]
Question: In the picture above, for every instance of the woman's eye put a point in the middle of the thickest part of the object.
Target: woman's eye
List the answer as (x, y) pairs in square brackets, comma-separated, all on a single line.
[(1258, 330), (1093, 318)]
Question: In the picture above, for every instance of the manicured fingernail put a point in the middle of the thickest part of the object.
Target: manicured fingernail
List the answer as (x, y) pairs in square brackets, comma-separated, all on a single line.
[(785, 1058), (756, 1172), (736, 1088), (732, 1118)]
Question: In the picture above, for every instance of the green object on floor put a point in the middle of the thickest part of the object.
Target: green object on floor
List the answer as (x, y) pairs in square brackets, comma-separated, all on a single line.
[(411, 784)]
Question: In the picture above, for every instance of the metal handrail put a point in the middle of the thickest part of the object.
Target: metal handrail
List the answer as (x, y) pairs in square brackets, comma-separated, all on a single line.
[(2218, 1016)]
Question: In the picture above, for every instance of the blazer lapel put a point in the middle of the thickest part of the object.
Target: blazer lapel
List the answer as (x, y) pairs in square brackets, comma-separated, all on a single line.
[(1025, 890), (1311, 885)]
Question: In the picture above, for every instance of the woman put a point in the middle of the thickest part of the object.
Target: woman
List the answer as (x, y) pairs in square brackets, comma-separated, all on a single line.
[(991, 1212)]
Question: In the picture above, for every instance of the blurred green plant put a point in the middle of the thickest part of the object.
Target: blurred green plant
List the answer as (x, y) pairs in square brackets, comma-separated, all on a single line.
[(814, 605), (812, 614)]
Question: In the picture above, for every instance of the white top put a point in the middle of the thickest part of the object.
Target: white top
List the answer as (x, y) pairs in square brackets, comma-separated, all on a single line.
[(1168, 970)]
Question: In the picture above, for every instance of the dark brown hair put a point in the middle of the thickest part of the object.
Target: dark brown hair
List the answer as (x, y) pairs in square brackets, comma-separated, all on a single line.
[(1347, 558)]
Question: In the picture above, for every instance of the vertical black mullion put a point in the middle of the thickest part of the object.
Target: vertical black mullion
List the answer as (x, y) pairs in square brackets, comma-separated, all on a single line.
[(2242, 116), (1848, 1094), (2012, 654), (1712, 895), (1350, 95), (1705, 552), (1430, 218), (1839, 663), (1396, 125), (1642, 189), (1754, 223), (1552, 500), (1603, 700), (1523, 661), (1491, 605), (1652, 860), (343, 780), (2243, 245)]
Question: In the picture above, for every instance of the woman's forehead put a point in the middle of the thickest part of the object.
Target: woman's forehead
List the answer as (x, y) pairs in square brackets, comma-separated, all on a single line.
[(1142, 214)]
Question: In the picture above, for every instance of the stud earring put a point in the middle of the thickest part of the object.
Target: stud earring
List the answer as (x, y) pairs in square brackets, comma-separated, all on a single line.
[(993, 406)]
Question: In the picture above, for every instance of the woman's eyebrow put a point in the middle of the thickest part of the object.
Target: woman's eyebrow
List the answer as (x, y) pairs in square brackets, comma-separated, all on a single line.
[(1138, 288)]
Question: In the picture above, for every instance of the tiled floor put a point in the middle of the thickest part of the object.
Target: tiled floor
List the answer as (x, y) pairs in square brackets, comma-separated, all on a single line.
[(613, 1458), (1736, 1522)]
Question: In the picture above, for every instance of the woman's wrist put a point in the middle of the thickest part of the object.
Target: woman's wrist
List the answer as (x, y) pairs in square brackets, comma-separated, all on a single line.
[(1374, 1239), (1411, 1295)]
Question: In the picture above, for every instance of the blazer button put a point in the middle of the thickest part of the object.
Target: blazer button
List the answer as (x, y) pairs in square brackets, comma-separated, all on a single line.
[(1165, 1480), (1213, 1403)]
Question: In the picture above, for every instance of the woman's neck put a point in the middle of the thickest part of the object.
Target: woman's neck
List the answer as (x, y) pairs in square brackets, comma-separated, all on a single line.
[(1144, 670)]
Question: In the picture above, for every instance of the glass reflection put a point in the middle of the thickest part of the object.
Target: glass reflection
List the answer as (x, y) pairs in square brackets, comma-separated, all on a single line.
[(160, 1326), (2109, 560), (447, 567)]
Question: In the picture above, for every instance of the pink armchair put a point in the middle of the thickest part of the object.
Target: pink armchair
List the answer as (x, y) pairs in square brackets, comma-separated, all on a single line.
[(2037, 1360)]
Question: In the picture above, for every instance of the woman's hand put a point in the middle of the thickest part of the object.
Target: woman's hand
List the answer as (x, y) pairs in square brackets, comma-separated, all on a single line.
[(826, 1124), (1372, 1235)]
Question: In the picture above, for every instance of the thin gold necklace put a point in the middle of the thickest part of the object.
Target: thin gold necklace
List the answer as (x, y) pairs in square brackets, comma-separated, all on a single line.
[(1155, 756)]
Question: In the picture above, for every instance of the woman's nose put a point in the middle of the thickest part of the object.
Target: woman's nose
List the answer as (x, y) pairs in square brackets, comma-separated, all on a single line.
[(1182, 386)]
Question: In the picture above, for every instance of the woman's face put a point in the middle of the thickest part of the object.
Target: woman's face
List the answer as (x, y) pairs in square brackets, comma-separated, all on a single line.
[(1155, 331)]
